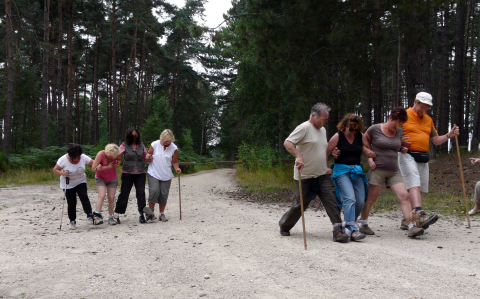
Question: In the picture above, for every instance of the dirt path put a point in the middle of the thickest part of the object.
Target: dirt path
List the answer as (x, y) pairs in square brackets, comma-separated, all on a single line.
[(223, 249)]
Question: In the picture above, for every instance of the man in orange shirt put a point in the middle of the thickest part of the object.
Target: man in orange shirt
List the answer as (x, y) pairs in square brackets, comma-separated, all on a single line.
[(419, 130)]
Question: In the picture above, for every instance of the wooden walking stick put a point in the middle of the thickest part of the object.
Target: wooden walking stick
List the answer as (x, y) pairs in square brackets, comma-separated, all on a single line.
[(301, 205), (179, 197), (463, 181)]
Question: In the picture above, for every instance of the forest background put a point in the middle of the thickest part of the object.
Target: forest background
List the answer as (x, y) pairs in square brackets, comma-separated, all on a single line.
[(83, 71)]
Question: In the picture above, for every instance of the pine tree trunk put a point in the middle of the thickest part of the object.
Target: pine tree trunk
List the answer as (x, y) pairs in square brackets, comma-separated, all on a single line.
[(444, 101), (61, 123), (70, 80), (377, 62), (114, 135), (45, 61), (459, 74), (367, 110), (130, 80), (476, 117), (53, 78), (7, 129), (94, 105), (417, 68), (85, 72)]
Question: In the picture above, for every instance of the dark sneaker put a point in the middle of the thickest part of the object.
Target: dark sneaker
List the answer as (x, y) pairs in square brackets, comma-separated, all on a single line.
[(141, 219), (90, 220), (111, 221), (97, 218), (116, 218), (73, 225), (149, 213), (365, 229), (284, 232), (404, 224), (356, 235), (415, 231), (163, 218), (339, 235), (425, 220)]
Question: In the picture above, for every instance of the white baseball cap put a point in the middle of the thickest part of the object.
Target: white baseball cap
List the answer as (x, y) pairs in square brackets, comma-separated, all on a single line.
[(424, 97)]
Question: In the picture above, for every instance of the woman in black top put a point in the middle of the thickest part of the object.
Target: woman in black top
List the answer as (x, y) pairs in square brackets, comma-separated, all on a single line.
[(133, 173), (350, 180)]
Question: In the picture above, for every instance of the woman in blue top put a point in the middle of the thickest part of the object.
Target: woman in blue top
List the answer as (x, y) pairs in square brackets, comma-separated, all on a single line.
[(350, 180)]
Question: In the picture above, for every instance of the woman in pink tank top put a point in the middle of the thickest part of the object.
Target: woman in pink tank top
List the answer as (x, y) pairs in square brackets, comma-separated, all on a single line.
[(107, 181)]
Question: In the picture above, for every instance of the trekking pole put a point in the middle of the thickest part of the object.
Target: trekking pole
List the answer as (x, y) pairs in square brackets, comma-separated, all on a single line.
[(67, 180), (179, 197), (463, 181), (301, 205)]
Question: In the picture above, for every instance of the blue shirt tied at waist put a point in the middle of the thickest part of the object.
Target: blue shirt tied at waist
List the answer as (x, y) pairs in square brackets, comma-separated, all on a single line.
[(340, 169)]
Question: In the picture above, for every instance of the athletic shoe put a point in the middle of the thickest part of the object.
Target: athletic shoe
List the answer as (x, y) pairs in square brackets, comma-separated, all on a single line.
[(98, 219), (116, 218), (73, 225), (424, 220), (339, 235), (149, 213), (90, 220), (415, 231), (365, 229), (356, 235), (473, 212), (111, 221), (141, 219), (163, 218)]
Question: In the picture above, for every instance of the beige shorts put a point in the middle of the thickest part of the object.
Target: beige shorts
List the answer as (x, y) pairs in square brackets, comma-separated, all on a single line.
[(109, 184), (415, 174), (389, 178)]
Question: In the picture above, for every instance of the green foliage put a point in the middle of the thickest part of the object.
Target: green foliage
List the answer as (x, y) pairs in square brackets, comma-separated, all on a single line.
[(256, 157), (34, 158), (186, 141), (160, 118), (3, 162)]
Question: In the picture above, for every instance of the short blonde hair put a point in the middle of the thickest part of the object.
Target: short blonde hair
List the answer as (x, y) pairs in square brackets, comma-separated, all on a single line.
[(167, 134), (112, 150)]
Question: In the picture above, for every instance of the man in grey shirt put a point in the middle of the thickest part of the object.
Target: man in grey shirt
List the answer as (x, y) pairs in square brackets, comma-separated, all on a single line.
[(308, 144)]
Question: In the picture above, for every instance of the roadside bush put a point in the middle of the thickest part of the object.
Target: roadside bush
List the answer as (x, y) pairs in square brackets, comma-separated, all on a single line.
[(256, 157)]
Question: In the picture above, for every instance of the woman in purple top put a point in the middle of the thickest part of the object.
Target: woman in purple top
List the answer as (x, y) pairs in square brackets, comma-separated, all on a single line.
[(385, 140)]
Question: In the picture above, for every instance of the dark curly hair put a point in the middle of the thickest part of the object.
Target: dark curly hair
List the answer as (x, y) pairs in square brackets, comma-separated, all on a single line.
[(129, 136), (353, 118), (399, 113)]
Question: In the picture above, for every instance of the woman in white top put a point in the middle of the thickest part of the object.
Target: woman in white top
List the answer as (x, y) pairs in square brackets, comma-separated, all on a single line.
[(72, 166), (164, 155)]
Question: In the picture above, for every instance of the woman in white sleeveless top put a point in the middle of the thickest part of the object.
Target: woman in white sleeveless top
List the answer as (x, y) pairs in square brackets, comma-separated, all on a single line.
[(164, 154)]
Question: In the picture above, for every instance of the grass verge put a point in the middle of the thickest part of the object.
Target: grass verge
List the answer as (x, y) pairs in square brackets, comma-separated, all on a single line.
[(273, 179), (281, 178)]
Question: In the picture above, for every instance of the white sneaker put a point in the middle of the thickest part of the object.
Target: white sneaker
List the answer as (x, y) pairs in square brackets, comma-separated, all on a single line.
[(72, 225), (90, 220), (473, 212)]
